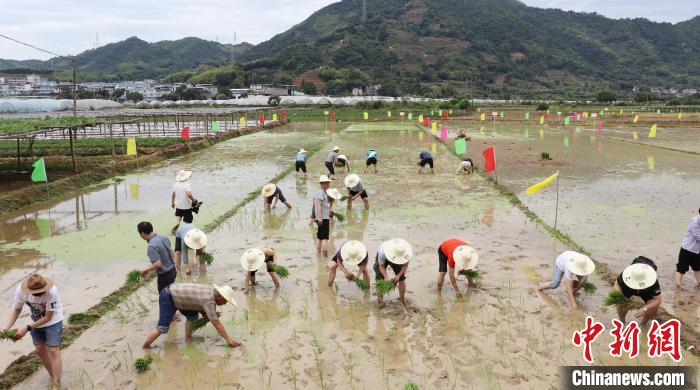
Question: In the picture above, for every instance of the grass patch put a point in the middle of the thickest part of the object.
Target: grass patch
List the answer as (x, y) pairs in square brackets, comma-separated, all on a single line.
[(281, 271), (384, 286), (143, 364), (82, 317), (410, 386)]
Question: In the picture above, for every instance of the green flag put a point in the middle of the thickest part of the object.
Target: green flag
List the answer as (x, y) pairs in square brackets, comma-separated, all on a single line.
[(461, 146), (215, 126), (527, 116), (567, 120), (658, 111), (39, 173), (501, 114)]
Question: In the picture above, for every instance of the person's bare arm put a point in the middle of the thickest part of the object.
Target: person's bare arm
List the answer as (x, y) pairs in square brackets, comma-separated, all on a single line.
[(222, 332), (570, 293), (319, 216), (189, 195), (382, 270), (344, 270), (402, 272), (653, 304), (274, 203), (12, 317), (23, 331), (154, 266), (453, 280), (172, 200)]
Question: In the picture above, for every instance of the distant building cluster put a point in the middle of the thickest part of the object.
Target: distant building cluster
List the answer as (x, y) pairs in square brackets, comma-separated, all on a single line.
[(672, 92)]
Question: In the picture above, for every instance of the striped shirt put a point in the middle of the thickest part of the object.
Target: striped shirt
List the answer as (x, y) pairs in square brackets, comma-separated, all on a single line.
[(196, 297)]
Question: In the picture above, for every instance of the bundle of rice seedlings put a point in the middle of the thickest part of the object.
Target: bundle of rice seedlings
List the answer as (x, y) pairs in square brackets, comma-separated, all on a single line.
[(133, 277), (281, 271), (8, 334), (410, 386), (344, 198), (208, 258), (384, 286), (199, 324), (589, 288), (143, 364), (473, 273), (362, 284), (339, 217), (616, 298)]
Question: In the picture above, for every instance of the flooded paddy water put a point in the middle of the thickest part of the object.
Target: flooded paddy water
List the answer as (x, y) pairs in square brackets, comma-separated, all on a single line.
[(309, 335)]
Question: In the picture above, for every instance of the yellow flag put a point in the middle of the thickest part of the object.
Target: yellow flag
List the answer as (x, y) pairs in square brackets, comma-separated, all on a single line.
[(274, 117), (366, 115), (434, 127), (650, 162), (636, 118), (585, 114), (680, 115), (478, 109), (635, 135), (388, 113), (440, 113), (542, 185), (134, 190), (434, 148), (242, 121), (542, 120), (483, 116), (131, 147), (652, 132), (420, 118)]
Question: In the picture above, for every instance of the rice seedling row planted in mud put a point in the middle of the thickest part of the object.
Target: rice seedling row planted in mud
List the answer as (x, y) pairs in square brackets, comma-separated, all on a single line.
[(133, 277), (143, 364)]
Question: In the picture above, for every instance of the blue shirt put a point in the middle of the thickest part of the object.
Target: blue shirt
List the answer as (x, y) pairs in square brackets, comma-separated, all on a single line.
[(301, 156), (425, 155), (371, 154), (159, 249)]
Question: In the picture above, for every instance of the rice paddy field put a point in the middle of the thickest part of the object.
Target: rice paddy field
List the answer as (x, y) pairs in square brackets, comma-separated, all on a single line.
[(620, 197)]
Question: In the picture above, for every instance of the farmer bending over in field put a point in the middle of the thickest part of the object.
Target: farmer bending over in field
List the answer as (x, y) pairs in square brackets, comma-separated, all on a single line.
[(272, 192), (351, 252), (371, 160), (356, 189), (396, 254), (640, 279), (330, 162), (300, 164), (574, 268), (455, 254), (253, 259), (467, 165), (192, 244), (425, 159), (343, 161)]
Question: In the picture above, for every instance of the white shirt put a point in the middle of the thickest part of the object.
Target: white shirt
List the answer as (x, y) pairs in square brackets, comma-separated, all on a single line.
[(561, 264), (38, 306), (342, 157), (182, 202), (691, 240), (381, 257)]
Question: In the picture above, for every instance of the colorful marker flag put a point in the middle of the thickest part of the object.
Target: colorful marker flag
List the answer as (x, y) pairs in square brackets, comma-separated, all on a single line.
[(366, 115), (594, 115), (446, 115), (542, 120), (388, 114), (542, 185), (185, 134), (261, 120), (501, 114), (410, 116), (483, 116), (478, 109), (461, 146), (636, 118), (680, 115), (652, 131), (134, 191), (443, 133), (658, 111), (274, 117), (585, 114), (527, 116), (490, 160), (434, 127), (284, 116), (131, 147), (426, 121), (440, 113), (216, 126), (39, 173), (494, 114), (333, 116), (567, 121), (635, 135), (242, 121)]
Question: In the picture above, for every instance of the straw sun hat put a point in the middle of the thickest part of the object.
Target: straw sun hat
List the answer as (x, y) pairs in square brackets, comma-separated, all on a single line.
[(302, 150), (226, 292), (465, 258), (353, 252), (336, 148), (183, 175), (195, 239), (36, 284), (352, 180), (269, 189), (253, 259), (324, 179), (580, 264), (334, 193), (639, 276), (398, 251)]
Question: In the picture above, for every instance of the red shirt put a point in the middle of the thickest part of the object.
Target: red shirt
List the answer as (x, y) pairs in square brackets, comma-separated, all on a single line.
[(448, 247)]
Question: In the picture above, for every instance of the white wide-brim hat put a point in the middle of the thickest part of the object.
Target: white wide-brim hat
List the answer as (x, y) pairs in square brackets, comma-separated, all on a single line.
[(268, 189), (302, 150), (352, 180), (336, 148), (183, 175), (639, 276), (465, 258), (353, 252), (226, 292), (195, 239), (324, 179), (334, 193), (580, 264), (253, 259), (398, 251)]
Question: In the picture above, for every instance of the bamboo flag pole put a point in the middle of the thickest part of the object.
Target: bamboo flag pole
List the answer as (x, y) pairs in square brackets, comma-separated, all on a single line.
[(556, 210)]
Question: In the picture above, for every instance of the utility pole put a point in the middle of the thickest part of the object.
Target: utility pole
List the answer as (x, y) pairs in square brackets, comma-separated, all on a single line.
[(75, 92)]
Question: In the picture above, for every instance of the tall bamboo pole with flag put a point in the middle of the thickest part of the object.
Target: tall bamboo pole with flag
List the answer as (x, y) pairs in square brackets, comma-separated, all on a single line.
[(532, 190), (490, 161)]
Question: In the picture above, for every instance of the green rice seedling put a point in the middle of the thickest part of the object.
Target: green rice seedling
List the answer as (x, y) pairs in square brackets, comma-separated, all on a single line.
[(81, 317), (589, 288), (384, 286), (344, 198), (8, 334), (133, 277), (474, 274), (208, 258), (281, 271), (199, 324), (362, 284), (544, 156), (616, 298), (143, 364), (340, 217), (410, 386)]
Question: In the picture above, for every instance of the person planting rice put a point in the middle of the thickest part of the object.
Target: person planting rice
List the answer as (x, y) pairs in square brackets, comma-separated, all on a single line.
[(182, 251), (160, 255), (426, 158), (191, 299), (253, 259), (371, 160), (194, 241), (322, 215), (351, 252), (343, 161), (330, 162), (46, 322), (689, 257), (467, 165), (300, 164), (640, 279), (271, 192), (356, 189), (574, 269), (182, 198), (455, 254), (396, 254)]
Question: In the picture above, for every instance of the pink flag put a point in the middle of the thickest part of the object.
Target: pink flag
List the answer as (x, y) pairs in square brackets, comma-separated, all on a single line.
[(600, 126), (443, 133)]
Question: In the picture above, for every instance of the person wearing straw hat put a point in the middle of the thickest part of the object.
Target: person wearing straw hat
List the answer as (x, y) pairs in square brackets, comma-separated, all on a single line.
[(640, 279), (689, 256), (271, 195), (195, 241), (191, 299), (426, 158), (160, 255), (372, 160), (330, 161), (321, 214), (467, 165), (573, 268), (352, 252), (181, 199), (300, 164), (45, 321), (181, 254), (343, 161), (356, 189), (455, 254), (253, 259), (395, 253)]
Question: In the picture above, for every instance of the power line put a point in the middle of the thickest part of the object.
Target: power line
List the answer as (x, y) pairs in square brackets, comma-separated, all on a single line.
[(32, 46)]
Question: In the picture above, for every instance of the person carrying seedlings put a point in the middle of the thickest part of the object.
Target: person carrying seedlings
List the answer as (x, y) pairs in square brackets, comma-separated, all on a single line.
[(322, 215), (396, 254), (343, 161), (46, 321), (160, 255), (573, 268), (467, 165), (191, 299), (271, 192), (356, 189), (253, 259), (300, 164), (371, 160), (182, 198), (689, 257), (455, 254), (330, 161), (640, 279), (352, 252), (426, 158)]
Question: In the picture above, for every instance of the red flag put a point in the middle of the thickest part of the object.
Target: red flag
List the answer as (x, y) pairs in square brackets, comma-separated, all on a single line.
[(490, 157), (446, 115), (262, 120), (185, 133), (284, 116), (426, 121), (333, 116)]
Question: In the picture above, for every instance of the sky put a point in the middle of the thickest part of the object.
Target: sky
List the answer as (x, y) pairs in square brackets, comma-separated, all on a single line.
[(71, 26)]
